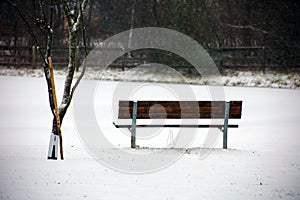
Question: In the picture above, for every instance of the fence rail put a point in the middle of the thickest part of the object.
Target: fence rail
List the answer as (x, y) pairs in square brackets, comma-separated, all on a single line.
[(225, 57)]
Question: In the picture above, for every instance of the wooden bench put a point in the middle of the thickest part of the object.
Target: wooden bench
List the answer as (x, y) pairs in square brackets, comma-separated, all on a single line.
[(179, 110)]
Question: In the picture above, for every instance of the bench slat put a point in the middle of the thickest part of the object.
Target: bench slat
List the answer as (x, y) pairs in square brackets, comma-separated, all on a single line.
[(175, 126), (171, 103), (180, 110)]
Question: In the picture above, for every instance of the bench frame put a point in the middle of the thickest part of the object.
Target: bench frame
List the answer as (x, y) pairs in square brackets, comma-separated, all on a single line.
[(133, 126)]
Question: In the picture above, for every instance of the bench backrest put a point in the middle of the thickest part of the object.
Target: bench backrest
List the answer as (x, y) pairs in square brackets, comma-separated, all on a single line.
[(180, 109)]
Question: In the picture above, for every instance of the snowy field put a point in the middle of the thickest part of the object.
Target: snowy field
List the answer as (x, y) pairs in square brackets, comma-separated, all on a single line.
[(268, 79), (262, 162)]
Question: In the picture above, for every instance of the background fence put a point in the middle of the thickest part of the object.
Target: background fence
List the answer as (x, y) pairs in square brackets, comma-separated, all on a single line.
[(226, 58)]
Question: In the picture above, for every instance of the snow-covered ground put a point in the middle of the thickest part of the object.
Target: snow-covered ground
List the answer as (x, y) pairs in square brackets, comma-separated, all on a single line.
[(263, 161), (269, 79)]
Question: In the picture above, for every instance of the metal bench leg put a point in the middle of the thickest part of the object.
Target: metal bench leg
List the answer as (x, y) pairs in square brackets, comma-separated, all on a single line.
[(133, 126), (225, 129)]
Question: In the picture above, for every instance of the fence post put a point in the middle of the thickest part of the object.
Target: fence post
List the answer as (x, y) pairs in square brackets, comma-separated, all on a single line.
[(33, 57)]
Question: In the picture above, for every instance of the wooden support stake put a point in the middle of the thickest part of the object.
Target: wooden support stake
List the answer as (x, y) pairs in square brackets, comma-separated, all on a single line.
[(56, 108)]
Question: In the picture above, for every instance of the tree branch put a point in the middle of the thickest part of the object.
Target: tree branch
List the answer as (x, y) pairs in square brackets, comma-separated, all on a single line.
[(68, 91), (29, 29), (82, 7), (68, 13), (49, 30), (85, 52), (45, 60), (42, 10)]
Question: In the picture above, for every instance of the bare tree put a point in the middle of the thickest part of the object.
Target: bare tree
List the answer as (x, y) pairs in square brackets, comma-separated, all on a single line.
[(74, 11)]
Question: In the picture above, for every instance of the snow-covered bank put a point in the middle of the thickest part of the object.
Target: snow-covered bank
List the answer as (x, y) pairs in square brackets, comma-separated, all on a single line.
[(263, 162), (268, 79)]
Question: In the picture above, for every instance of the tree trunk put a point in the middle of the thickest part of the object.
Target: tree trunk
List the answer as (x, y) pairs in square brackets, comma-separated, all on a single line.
[(46, 26), (67, 95)]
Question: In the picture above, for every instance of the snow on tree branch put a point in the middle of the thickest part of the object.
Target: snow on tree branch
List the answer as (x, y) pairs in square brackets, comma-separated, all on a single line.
[(75, 21)]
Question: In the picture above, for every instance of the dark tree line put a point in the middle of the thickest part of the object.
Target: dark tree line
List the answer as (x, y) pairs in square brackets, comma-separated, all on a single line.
[(273, 25)]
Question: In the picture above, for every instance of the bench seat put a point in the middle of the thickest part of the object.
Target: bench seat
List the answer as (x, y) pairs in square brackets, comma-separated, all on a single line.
[(179, 110)]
